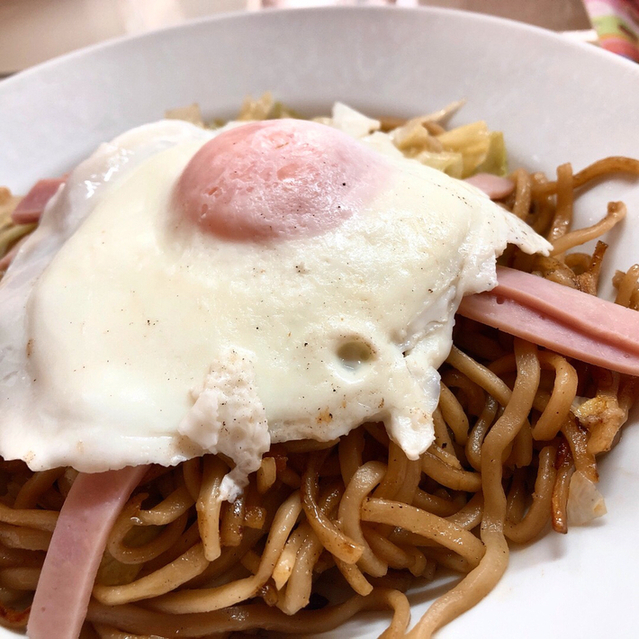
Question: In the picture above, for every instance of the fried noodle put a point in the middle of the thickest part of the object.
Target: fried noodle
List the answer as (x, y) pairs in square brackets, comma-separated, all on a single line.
[(325, 531)]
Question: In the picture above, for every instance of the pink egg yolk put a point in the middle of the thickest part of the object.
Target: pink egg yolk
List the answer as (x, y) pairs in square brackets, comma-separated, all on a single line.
[(278, 179)]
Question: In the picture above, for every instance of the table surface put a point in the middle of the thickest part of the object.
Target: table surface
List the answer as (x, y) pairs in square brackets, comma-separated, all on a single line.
[(32, 31)]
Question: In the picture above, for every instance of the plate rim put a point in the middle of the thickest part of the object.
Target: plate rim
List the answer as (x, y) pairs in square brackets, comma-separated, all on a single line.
[(264, 14)]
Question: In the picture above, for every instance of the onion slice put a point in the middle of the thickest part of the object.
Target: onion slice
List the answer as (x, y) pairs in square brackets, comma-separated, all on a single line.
[(79, 539)]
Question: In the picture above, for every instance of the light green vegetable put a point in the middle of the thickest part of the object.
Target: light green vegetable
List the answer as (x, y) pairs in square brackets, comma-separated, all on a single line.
[(459, 152), (496, 161), (472, 141), (450, 163)]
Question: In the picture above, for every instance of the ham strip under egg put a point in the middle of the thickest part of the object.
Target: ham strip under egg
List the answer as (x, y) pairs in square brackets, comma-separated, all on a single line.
[(30, 207), (494, 186), (560, 318), (79, 539)]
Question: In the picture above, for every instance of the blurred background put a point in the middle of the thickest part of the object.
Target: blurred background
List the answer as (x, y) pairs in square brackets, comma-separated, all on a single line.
[(32, 31)]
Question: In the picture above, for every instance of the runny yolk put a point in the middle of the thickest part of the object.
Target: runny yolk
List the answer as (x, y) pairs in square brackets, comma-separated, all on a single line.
[(278, 179)]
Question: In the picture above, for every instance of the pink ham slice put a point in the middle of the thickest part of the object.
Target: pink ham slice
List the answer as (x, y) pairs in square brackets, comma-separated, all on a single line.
[(565, 320), (493, 186), (64, 588), (30, 207)]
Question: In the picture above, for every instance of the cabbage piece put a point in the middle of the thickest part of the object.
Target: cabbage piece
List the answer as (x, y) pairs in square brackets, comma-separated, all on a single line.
[(413, 137), (191, 113), (414, 141), (443, 115), (256, 109), (472, 141), (460, 152), (496, 161), (281, 110), (450, 163), (353, 122), (440, 116), (603, 417)]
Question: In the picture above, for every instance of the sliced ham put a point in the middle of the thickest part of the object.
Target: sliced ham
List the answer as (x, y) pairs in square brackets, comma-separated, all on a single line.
[(493, 186), (565, 320), (30, 207), (64, 588)]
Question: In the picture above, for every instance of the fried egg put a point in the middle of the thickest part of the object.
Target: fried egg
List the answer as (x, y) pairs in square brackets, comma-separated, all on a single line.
[(192, 291)]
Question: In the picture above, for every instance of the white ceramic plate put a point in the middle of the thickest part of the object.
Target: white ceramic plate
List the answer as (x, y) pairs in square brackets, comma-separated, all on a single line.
[(555, 100)]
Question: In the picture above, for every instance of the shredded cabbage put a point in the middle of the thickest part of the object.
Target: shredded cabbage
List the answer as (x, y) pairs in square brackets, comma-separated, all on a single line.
[(496, 161), (264, 108), (459, 152), (189, 113)]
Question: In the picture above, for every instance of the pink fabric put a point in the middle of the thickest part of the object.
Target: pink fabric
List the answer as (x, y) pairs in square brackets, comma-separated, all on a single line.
[(278, 179), (493, 186), (617, 25), (30, 207), (74, 555), (565, 320)]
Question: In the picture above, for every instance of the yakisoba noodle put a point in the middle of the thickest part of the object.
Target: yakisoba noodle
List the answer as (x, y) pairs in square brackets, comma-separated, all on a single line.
[(326, 530)]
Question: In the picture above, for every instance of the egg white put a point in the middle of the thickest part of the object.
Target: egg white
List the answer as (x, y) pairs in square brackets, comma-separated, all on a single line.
[(128, 338)]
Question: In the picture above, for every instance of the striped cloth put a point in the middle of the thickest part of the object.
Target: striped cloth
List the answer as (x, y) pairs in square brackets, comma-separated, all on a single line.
[(617, 25)]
